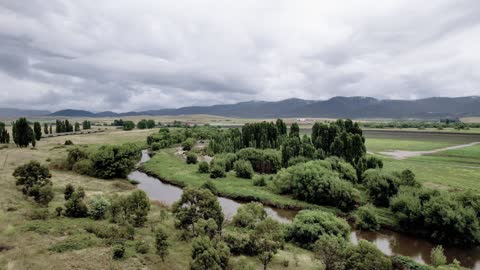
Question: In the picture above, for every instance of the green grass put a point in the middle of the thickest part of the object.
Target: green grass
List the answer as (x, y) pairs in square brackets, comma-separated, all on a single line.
[(166, 165), (385, 145)]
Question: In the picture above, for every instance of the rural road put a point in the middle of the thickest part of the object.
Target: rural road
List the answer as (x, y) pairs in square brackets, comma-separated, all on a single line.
[(398, 154)]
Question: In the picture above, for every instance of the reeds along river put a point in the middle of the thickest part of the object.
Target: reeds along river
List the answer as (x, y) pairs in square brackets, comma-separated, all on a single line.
[(389, 242)]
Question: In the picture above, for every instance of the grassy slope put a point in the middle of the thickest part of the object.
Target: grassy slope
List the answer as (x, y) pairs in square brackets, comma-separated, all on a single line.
[(30, 240)]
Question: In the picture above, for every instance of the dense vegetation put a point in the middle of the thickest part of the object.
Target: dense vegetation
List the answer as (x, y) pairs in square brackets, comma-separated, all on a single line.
[(4, 135)]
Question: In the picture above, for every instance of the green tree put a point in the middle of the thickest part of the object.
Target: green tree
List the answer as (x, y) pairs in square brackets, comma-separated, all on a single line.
[(209, 254), (32, 177), (150, 123), (128, 125), (366, 256), (161, 243), (294, 130), (77, 126), (86, 125), (75, 206), (23, 134), (243, 169), (268, 238), (142, 124), (45, 128), (191, 158), (367, 219), (331, 251), (249, 215), (196, 204), (37, 129), (281, 127), (4, 136), (203, 167)]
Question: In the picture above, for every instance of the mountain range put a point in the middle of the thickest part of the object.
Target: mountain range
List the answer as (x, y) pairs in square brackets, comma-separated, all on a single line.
[(336, 107)]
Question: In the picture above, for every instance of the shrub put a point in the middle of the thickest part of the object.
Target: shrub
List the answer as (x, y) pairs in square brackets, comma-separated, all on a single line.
[(314, 182), (38, 214), (248, 215), (59, 211), (188, 144), (225, 159), (161, 243), (208, 254), (75, 207), (296, 160), (203, 167), (331, 251), (437, 257), (210, 186), (45, 195), (142, 247), (32, 177), (114, 161), (381, 186), (132, 208), (128, 125), (260, 180), (98, 207), (74, 242), (217, 171), (156, 146), (243, 169), (344, 169), (84, 166), (366, 256), (69, 190), (191, 158), (74, 155), (366, 218), (68, 142), (263, 161), (309, 225), (118, 251)]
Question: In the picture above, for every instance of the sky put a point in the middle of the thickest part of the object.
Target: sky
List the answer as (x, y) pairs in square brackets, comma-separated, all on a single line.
[(137, 55)]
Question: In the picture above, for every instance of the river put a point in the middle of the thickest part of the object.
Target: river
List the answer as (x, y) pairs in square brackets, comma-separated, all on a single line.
[(389, 242)]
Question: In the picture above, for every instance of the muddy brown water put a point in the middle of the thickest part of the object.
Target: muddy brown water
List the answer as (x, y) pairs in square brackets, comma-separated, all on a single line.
[(389, 242)]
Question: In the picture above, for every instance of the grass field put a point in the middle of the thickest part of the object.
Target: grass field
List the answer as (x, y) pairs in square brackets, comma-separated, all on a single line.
[(31, 244)]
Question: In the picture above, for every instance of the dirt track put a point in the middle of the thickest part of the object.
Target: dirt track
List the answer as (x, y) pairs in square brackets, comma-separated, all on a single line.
[(407, 154)]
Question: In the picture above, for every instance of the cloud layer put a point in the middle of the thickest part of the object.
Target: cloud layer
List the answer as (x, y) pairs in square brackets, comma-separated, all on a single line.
[(130, 55)]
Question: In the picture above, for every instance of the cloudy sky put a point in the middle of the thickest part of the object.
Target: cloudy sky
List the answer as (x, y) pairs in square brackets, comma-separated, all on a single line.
[(132, 55)]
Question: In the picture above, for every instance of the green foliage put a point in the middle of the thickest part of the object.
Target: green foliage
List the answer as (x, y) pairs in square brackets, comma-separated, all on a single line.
[(142, 247), (209, 254), (86, 124), (260, 180), (226, 160), (330, 250), (263, 161), (144, 124), (68, 142), (365, 256), (260, 135), (37, 130), (191, 158), (63, 126), (294, 131), (315, 182), (309, 225), (217, 171), (249, 215), (161, 243), (35, 179), (196, 204), (381, 186), (436, 215), (74, 242), (188, 144), (281, 127), (114, 161), (38, 214), (99, 206), (207, 228), (84, 166), (4, 135), (210, 186), (23, 134), (77, 126), (69, 190), (118, 251), (345, 170), (203, 167), (268, 238), (128, 125), (402, 262), (437, 257), (132, 208), (243, 169), (367, 219), (75, 206)]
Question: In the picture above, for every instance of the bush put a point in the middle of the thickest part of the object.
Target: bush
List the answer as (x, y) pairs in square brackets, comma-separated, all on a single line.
[(331, 251), (437, 257), (156, 146), (75, 207), (344, 169), (243, 169), (314, 182), (248, 215), (191, 158), (161, 243), (68, 142), (309, 225), (366, 256), (128, 125), (114, 161), (99, 207), (381, 186), (84, 166), (32, 177), (203, 167), (210, 186), (142, 247), (263, 161), (188, 144), (366, 218), (118, 251), (260, 180), (132, 208), (296, 160), (38, 214), (225, 159), (217, 171), (69, 190)]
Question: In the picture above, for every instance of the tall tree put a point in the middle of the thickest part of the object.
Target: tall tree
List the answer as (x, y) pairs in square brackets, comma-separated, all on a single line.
[(4, 136), (294, 130), (77, 126), (45, 128), (51, 129), (23, 133), (281, 127), (37, 129)]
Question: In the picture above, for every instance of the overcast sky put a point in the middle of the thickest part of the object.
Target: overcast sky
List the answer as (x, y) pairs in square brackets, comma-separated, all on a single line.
[(131, 55)]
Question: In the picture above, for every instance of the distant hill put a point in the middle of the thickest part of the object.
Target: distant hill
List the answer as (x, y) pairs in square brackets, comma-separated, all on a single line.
[(336, 107), (11, 113)]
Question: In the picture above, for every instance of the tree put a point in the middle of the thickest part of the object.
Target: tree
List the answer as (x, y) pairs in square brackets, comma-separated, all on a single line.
[(45, 128), (86, 125), (331, 251), (188, 144), (23, 134), (45, 195), (150, 123), (128, 125), (268, 237), (367, 219), (437, 257), (142, 124), (281, 127), (98, 207), (196, 204), (111, 161), (203, 167), (4, 136), (75, 206), (37, 129), (191, 158), (366, 256), (161, 243), (132, 208), (381, 186), (209, 254), (50, 129), (294, 130), (249, 215), (77, 126), (309, 225)]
